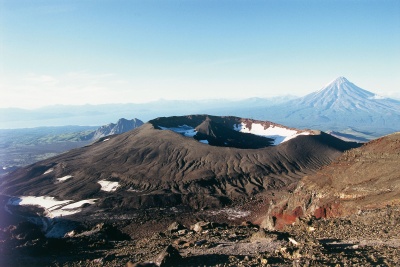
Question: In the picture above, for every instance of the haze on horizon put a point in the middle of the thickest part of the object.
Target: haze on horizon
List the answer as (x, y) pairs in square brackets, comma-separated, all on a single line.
[(97, 52)]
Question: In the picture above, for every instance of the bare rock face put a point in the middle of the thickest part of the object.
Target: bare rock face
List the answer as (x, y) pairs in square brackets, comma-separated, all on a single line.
[(364, 178), (122, 126)]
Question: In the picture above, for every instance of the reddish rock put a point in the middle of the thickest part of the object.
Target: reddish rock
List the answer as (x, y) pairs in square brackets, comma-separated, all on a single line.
[(364, 178), (328, 211), (284, 217)]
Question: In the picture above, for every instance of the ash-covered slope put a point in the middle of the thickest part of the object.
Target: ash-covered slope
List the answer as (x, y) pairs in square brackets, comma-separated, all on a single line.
[(151, 167), (363, 178)]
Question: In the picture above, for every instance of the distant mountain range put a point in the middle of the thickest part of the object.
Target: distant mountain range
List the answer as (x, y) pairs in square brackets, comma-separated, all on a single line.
[(340, 106)]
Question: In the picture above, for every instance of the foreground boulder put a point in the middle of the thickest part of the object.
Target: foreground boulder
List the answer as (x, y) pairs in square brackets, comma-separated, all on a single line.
[(168, 257)]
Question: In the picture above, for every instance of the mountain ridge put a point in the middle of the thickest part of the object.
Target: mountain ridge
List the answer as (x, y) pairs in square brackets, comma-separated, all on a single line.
[(151, 167), (123, 125)]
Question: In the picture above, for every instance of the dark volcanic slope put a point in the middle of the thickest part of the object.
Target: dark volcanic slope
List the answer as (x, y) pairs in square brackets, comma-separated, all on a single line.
[(159, 168), (361, 179)]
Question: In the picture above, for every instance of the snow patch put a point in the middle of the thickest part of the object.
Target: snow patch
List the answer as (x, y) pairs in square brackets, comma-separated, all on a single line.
[(279, 134), (48, 203), (232, 214), (135, 190), (377, 97), (61, 212), (184, 130), (48, 171), (51, 222), (79, 204), (64, 178), (108, 186), (54, 208)]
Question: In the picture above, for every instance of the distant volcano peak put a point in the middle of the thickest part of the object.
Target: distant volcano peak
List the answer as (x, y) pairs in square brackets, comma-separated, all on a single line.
[(337, 105), (341, 79), (343, 89), (339, 82), (341, 100)]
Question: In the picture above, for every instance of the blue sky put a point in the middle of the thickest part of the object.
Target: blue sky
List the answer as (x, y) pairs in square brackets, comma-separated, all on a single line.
[(78, 52)]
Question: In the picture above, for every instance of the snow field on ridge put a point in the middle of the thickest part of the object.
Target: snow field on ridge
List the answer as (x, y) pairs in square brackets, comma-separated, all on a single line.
[(185, 130), (279, 134)]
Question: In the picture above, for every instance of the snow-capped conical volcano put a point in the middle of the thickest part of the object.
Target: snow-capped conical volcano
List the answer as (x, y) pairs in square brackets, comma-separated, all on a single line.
[(341, 87), (342, 95), (340, 105)]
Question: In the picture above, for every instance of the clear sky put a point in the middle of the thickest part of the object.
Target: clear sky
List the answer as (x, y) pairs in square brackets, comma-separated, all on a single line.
[(113, 51)]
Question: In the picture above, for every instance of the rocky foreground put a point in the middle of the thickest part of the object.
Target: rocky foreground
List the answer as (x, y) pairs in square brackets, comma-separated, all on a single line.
[(344, 214), (367, 239)]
